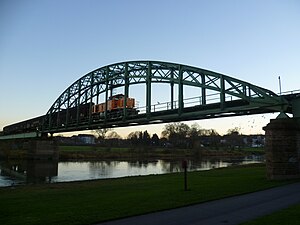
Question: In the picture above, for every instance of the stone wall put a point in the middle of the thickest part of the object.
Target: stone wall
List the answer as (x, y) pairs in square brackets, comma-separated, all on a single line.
[(282, 149)]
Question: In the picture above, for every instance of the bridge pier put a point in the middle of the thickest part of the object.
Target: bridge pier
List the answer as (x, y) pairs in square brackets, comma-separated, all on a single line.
[(42, 149), (282, 149)]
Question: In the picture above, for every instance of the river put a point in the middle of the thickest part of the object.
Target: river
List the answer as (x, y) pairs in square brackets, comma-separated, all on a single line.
[(28, 172)]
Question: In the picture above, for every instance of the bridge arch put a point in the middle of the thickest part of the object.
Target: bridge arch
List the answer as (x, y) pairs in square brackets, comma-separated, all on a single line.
[(219, 95)]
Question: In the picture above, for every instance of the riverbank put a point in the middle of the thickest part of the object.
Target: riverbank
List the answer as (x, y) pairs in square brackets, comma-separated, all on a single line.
[(71, 153), (96, 152), (100, 200)]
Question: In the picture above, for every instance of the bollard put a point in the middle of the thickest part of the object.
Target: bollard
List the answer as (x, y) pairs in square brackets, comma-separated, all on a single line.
[(184, 166)]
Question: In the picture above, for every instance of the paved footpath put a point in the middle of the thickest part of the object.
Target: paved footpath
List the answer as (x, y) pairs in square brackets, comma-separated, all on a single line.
[(233, 210)]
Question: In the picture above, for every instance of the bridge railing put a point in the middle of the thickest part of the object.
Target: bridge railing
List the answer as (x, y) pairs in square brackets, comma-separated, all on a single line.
[(290, 92), (188, 102)]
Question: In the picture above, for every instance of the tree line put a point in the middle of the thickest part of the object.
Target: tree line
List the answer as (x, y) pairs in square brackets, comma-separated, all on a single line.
[(179, 135)]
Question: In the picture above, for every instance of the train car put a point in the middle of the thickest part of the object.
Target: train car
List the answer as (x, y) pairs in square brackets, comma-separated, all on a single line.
[(115, 106), (30, 125), (60, 118)]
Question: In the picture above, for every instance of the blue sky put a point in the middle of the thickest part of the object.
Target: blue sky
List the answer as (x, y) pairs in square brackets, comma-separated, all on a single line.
[(45, 45)]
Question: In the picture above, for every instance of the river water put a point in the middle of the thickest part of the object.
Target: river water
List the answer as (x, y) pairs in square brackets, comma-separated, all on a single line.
[(27, 172)]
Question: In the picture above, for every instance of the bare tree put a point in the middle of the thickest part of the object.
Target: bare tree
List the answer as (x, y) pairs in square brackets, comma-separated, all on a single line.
[(234, 137), (178, 129), (113, 135), (235, 131), (176, 133), (101, 133), (134, 135)]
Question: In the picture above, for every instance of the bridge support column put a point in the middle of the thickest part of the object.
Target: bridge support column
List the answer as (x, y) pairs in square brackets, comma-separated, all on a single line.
[(282, 149), (42, 149)]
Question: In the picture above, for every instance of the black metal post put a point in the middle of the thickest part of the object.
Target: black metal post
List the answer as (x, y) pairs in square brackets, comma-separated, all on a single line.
[(184, 166)]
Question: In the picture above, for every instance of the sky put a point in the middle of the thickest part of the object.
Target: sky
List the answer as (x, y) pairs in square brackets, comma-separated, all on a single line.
[(45, 45)]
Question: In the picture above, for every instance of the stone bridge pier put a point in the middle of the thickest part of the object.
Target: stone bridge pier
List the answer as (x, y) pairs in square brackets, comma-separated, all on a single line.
[(42, 149), (283, 149)]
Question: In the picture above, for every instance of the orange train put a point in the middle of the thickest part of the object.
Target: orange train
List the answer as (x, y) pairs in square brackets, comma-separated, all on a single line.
[(114, 103)]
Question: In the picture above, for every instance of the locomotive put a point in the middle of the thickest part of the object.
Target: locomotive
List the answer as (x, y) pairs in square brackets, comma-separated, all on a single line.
[(115, 106)]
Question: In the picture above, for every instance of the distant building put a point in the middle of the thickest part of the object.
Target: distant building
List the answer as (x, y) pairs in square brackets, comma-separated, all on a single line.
[(258, 141), (81, 139), (255, 141), (86, 139)]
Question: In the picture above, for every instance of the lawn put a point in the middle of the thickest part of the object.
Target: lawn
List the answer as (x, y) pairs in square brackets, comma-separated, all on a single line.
[(95, 201), (258, 150), (290, 216), (64, 148)]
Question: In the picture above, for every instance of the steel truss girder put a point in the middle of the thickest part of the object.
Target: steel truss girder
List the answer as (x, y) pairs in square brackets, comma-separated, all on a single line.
[(129, 73)]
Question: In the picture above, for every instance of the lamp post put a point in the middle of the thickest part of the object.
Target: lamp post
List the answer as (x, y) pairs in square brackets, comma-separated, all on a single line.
[(279, 85)]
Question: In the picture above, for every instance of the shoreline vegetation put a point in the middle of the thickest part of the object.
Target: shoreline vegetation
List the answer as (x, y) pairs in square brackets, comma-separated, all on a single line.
[(94, 152), (90, 153), (90, 202), (86, 152)]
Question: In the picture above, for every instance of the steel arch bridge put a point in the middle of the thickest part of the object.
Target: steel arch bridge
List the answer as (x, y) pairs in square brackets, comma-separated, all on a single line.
[(218, 96)]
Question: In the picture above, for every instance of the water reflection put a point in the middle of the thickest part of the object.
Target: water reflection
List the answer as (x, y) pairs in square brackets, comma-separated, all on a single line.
[(24, 172), (30, 171)]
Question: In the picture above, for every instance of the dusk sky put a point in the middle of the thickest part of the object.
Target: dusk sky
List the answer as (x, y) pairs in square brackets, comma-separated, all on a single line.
[(45, 45)]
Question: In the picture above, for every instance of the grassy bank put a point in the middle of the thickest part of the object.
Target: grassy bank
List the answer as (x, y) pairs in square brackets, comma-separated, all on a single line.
[(96, 152), (288, 216), (95, 201)]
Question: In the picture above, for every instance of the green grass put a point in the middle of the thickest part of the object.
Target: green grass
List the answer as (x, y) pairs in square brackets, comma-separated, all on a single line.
[(74, 148), (95, 201), (259, 150), (290, 216), (98, 152), (83, 148), (64, 148)]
